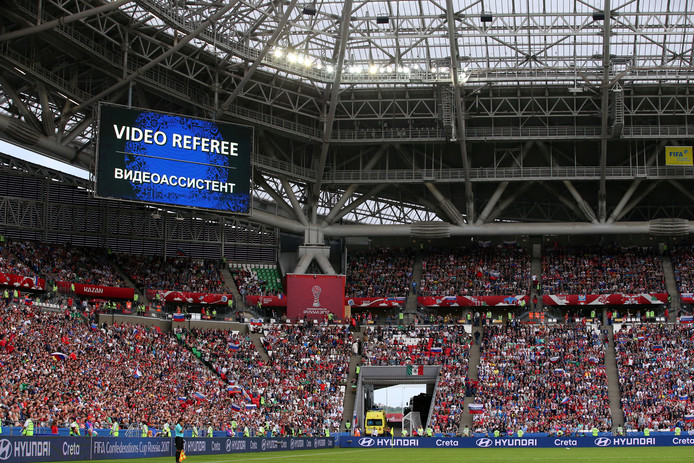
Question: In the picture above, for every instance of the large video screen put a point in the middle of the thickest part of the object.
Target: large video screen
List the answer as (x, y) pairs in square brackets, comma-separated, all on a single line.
[(153, 157)]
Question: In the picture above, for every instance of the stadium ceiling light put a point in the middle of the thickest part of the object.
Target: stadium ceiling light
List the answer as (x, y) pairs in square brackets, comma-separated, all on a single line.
[(310, 9)]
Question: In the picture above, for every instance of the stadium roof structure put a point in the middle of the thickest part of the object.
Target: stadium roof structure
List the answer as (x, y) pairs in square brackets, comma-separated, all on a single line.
[(424, 118)]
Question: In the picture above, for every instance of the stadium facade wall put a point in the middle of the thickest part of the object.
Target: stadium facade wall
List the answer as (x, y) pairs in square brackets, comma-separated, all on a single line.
[(18, 449)]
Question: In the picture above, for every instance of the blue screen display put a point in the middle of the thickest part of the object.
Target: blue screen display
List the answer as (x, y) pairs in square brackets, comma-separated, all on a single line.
[(153, 157)]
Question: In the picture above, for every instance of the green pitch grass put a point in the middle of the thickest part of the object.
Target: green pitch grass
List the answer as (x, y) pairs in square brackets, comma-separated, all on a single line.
[(607, 455)]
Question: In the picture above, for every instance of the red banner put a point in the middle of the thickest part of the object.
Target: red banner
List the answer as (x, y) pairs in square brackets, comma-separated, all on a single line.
[(467, 301), (19, 281), (687, 297), (267, 301), (375, 301), (97, 290), (314, 296), (604, 299), (189, 297)]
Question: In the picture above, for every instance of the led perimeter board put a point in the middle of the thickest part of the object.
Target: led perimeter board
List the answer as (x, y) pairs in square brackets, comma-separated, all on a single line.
[(152, 157)]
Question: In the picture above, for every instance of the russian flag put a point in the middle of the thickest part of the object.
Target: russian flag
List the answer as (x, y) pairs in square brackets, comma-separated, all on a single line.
[(436, 350), (559, 371), (689, 418), (657, 348), (234, 345), (182, 398), (234, 389), (199, 396), (178, 317), (250, 406), (593, 360), (138, 374), (235, 407), (94, 326), (59, 356), (565, 400), (687, 319), (476, 408), (554, 359), (684, 398)]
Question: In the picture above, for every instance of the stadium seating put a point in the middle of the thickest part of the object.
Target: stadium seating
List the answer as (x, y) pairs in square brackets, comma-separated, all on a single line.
[(602, 270), (173, 274), (655, 375), (476, 271), (257, 279), (542, 379), (683, 266), (382, 272), (58, 263)]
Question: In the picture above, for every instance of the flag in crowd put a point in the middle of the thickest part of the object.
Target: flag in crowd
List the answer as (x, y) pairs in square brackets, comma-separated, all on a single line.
[(415, 370), (59, 356), (476, 408), (234, 345)]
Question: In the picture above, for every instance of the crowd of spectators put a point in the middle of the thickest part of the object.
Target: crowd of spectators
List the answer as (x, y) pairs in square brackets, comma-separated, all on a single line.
[(443, 345), (602, 270), (130, 374), (173, 274), (382, 272), (476, 271), (683, 266), (543, 379), (56, 262), (655, 365), (307, 376), (301, 388), (250, 283)]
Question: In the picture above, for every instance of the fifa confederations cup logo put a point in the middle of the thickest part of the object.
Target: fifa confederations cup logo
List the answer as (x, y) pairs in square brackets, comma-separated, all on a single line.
[(316, 294)]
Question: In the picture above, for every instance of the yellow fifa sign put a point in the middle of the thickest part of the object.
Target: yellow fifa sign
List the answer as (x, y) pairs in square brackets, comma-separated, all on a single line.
[(679, 156)]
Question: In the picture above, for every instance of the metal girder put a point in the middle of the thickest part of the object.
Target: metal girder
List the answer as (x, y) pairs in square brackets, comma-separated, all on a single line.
[(296, 207), (276, 197), (606, 65), (63, 20), (142, 70), (334, 91), (583, 206), (459, 111), (484, 215), (330, 218), (451, 212), (249, 73)]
